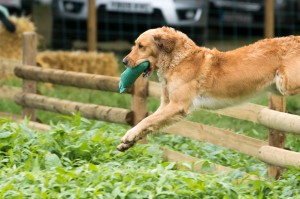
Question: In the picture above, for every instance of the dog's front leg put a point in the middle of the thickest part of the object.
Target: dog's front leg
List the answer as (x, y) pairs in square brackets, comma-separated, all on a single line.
[(167, 115)]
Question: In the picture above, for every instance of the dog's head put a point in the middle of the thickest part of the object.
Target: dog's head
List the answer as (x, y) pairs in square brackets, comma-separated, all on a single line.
[(149, 45)]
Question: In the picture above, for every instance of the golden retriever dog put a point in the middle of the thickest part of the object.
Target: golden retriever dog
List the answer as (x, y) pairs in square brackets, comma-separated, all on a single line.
[(193, 76)]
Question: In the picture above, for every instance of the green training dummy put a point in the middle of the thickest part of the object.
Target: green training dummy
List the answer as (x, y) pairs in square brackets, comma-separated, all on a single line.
[(129, 76)]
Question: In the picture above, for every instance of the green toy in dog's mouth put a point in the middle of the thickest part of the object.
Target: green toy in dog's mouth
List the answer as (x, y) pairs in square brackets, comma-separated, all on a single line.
[(129, 76)]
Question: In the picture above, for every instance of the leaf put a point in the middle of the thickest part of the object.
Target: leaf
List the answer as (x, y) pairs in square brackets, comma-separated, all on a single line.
[(5, 134), (170, 166), (52, 161), (36, 165), (29, 175), (206, 165)]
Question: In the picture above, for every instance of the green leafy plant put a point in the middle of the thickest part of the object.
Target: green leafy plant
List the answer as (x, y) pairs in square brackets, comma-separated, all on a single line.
[(78, 159)]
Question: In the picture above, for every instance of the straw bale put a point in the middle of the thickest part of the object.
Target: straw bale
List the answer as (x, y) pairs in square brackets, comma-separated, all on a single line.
[(11, 43), (95, 63), (7, 67), (79, 61)]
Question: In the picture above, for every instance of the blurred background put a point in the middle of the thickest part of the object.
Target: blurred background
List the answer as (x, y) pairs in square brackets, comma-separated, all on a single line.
[(225, 24)]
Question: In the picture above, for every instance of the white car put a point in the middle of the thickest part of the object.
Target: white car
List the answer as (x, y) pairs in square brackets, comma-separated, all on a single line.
[(18, 7), (22, 7), (11, 3), (126, 19)]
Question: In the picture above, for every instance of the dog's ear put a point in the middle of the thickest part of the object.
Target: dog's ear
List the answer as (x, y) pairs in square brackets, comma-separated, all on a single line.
[(165, 42)]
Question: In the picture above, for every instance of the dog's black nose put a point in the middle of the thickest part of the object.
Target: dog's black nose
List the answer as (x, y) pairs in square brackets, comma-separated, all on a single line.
[(125, 61)]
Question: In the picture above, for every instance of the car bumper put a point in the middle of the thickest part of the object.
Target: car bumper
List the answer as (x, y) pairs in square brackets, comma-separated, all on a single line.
[(180, 15)]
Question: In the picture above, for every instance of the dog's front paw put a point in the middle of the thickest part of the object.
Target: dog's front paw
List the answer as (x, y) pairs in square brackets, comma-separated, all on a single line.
[(124, 146), (128, 140), (130, 137)]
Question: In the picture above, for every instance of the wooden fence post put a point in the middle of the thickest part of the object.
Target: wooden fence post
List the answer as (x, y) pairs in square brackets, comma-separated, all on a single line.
[(139, 101), (92, 26), (29, 58), (269, 19), (276, 138)]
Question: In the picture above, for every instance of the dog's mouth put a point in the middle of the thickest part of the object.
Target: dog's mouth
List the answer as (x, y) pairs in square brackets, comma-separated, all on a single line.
[(147, 72)]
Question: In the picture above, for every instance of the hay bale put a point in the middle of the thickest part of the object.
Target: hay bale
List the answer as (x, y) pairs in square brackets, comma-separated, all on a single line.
[(11, 43), (7, 67), (79, 61), (95, 63)]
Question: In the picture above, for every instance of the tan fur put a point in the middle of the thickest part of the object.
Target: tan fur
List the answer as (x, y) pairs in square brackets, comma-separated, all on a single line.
[(196, 76)]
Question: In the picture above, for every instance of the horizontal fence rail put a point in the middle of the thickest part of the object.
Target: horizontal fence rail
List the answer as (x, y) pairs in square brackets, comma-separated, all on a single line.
[(154, 90), (9, 92), (197, 164), (246, 111), (279, 121), (279, 157), (175, 156), (217, 136), (68, 78), (8, 66), (31, 124), (90, 111)]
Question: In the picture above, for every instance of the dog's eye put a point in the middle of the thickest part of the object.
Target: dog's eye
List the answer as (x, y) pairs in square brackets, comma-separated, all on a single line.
[(140, 46)]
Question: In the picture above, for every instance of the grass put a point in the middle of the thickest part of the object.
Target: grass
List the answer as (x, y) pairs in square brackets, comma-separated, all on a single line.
[(77, 159)]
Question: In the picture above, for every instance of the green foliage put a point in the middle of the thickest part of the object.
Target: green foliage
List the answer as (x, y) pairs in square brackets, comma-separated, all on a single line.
[(213, 153), (78, 159)]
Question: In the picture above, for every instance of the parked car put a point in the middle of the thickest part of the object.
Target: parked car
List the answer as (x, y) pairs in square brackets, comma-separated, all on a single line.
[(126, 19), (249, 15), (22, 7), (18, 7)]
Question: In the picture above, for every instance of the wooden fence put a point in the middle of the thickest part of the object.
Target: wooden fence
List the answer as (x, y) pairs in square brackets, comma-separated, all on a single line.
[(30, 100)]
